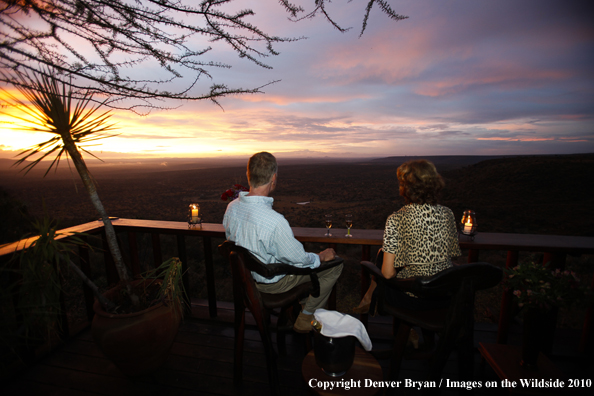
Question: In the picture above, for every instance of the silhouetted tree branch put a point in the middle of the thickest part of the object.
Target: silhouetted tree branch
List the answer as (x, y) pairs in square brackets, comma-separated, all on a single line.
[(102, 42)]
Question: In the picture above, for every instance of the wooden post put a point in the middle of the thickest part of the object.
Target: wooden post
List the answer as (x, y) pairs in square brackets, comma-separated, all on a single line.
[(557, 261), (473, 256), (586, 345), (157, 255), (63, 315), (365, 256), (183, 256), (85, 266), (506, 302), (134, 259), (332, 297), (210, 280)]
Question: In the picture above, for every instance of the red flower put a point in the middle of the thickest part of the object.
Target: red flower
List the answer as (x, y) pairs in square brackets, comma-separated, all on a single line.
[(233, 192)]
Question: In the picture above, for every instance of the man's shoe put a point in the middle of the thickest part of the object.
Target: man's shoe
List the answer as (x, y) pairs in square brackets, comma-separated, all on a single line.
[(303, 323)]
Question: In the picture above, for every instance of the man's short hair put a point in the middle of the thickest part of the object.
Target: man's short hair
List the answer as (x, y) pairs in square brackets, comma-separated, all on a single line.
[(260, 169)]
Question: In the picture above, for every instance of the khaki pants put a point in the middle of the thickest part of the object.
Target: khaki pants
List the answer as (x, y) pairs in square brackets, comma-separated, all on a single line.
[(327, 280)]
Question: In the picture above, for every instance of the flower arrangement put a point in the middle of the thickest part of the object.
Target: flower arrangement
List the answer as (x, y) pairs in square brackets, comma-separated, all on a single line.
[(233, 192), (537, 286)]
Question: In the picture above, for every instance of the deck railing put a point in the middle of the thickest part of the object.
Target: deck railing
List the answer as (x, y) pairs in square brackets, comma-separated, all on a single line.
[(555, 249)]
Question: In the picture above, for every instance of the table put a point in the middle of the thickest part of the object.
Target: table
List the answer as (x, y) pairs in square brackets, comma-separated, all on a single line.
[(505, 361), (365, 366)]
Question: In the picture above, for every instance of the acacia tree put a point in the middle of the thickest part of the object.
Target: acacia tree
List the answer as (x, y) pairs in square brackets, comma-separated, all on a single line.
[(39, 34)]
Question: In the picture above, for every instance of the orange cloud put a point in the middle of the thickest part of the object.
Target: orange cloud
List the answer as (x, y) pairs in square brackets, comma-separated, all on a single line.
[(518, 139)]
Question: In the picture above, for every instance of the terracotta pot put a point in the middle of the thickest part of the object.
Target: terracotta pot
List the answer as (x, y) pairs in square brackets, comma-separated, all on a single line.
[(136, 343)]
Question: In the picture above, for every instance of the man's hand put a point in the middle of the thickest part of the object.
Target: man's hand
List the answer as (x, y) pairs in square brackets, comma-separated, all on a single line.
[(327, 255)]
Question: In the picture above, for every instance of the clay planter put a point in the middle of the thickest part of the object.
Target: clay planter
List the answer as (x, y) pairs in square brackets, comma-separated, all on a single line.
[(136, 343)]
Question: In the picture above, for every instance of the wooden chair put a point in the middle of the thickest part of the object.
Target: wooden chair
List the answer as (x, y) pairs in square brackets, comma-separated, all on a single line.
[(454, 323), (246, 294)]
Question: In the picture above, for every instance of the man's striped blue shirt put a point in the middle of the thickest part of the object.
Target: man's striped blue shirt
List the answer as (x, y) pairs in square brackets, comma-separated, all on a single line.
[(251, 222)]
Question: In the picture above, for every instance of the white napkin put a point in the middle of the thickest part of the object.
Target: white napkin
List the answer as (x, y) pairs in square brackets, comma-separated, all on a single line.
[(336, 324)]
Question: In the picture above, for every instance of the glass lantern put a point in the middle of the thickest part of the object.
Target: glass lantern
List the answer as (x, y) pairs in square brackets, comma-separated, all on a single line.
[(468, 225), (194, 215)]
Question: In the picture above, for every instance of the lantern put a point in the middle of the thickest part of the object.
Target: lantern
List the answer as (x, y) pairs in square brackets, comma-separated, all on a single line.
[(194, 215), (468, 225)]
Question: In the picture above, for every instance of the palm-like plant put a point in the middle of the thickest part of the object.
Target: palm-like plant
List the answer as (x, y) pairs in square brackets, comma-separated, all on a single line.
[(74, 123)]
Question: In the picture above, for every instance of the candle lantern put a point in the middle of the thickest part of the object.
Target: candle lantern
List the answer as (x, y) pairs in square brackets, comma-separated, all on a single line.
[(194, 215), (468, 225)]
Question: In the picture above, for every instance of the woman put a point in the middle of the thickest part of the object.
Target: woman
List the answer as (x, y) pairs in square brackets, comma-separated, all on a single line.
[(420, 239)]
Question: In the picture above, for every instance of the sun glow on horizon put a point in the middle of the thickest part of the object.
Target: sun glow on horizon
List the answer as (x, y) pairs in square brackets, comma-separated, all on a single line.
[(188, 133), (456, 79)]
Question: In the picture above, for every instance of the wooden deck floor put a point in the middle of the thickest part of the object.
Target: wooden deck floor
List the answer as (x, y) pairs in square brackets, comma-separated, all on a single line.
[(201, 363)]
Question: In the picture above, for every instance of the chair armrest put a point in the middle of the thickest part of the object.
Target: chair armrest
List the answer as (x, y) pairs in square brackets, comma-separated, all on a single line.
[(324, 265), (405, 284), (372, 269), (483, 276), (271, 270)]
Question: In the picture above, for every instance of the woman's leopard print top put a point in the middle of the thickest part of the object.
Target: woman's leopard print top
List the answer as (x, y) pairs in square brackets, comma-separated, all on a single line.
[(423, 238)]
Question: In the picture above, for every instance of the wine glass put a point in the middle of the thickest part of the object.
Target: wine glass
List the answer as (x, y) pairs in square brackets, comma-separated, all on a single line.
[(348, 218), (328, 219)]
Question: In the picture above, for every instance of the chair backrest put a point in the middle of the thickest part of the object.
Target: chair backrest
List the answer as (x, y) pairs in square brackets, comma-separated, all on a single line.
[(266, 270), (479, 275), (447, 282), (460, 284), (243, 263), (244, 287)]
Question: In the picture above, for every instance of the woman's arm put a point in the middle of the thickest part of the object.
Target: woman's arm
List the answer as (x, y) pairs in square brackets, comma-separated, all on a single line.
[(388, 269)]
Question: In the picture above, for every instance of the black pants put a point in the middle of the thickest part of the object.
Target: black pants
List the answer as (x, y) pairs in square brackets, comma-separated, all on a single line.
[(398, 298)]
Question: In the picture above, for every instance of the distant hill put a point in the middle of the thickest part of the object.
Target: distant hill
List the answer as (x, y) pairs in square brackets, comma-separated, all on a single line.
[(442, 162), (128, 167), (6, 163), (552, 194)]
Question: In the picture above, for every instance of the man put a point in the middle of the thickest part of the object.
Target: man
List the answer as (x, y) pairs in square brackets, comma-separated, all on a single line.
[(251, 222)]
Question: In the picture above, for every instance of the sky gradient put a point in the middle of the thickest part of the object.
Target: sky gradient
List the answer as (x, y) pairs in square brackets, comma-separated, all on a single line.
[(462, 77)]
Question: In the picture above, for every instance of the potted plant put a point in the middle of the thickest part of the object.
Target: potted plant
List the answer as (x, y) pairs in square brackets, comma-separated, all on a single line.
[(30, 295), (138, 340), (538, 289), (53, 106)]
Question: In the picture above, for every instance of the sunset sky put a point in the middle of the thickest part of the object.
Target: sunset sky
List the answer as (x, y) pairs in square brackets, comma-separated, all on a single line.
[(459, 77)]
